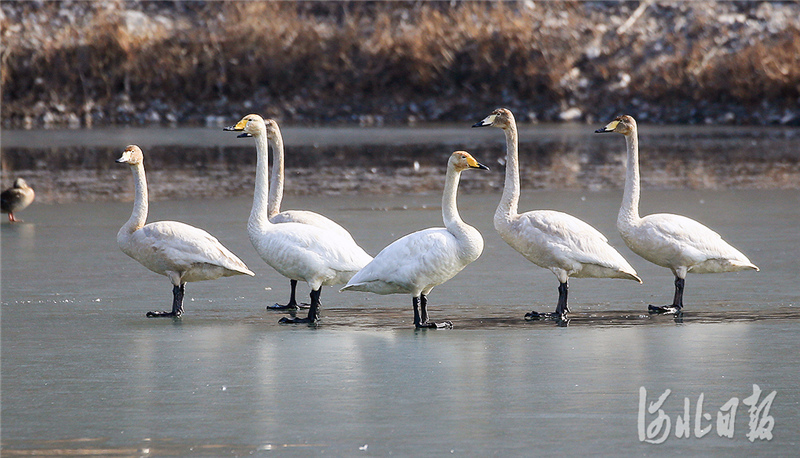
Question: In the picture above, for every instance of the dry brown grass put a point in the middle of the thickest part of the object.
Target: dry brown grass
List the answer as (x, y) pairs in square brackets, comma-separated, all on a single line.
[(331, 61)]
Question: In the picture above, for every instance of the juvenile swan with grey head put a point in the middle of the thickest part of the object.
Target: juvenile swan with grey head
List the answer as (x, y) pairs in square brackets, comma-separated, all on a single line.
[(553, 240), (418, 262), (676, 242), (181, 252)]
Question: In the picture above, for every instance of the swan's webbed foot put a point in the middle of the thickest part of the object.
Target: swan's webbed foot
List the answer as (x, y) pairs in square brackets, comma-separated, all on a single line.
[(561, 308), (296, 320), (556, 316), (664, 309), (288, 306), (163, 314), (432, 325), (277, 306), (533, 316), (313, 312)]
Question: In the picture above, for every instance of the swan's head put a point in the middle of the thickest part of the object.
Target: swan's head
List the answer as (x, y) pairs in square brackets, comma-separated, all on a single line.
[(131, 156), (624, 125), (250, 125), (20, 183), (462, 160), (273, 131), (501, 117)]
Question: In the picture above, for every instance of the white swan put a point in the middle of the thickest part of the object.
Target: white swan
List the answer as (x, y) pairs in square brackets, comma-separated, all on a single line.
[(676, 242), (276, 216), (297, 251), (552, 240), (181, 252), (16, 199), (418, 262)]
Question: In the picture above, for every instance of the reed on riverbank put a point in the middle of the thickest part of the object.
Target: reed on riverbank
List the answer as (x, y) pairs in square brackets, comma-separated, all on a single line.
[(132, 62)]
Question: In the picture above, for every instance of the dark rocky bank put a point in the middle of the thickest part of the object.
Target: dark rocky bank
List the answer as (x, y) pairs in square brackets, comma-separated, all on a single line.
[(79, 64)]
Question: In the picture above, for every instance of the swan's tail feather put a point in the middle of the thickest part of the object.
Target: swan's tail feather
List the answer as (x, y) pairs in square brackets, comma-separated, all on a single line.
[(238, 267), (744, 265), (349, 287), (631, 276)]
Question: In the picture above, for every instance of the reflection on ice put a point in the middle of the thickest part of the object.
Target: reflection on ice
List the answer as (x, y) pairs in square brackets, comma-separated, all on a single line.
[(469, 318), (97, 377)]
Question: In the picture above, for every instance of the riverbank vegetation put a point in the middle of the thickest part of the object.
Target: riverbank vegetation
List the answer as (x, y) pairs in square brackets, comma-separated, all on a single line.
[(131, 62)]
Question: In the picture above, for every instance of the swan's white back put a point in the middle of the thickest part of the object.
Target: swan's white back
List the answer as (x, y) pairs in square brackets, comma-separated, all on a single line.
[(415, 264), (307, 253), (171, 246), (312, 219), (560, 242), (677, 242)]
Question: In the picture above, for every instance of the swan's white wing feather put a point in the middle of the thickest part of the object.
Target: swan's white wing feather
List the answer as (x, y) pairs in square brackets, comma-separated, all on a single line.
[(561, 226), (676, 240), (178, 247), (555, 239), (310, 218), (412, 264), (308, 253)]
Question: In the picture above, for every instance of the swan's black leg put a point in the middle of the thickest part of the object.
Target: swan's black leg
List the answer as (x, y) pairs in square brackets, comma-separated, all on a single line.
[(292, 305), (417, 320), (421, 318), (313, 311), (561, 308), (677, 301), (177, 304)]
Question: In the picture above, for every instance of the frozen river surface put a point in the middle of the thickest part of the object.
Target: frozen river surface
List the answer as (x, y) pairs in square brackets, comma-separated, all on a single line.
[(84, 372)]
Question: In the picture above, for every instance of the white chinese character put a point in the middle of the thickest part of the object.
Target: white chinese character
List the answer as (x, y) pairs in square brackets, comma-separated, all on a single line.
[(662, 421), (699, 416), (683, 424), (761, 422), (725, 422)]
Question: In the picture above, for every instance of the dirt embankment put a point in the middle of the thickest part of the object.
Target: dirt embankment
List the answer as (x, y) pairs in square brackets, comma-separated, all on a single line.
[(131, 62)]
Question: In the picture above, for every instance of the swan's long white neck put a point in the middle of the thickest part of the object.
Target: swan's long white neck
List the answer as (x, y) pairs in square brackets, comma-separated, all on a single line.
[(259, 214), (510, 201), (139, 214), (276, 191), (629, 211), (452, 220)]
